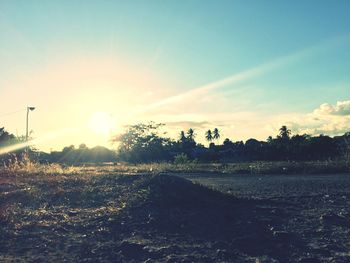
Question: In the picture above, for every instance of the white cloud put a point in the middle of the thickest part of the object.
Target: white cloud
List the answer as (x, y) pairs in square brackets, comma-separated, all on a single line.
[(326, 119), (259, 125), (341, 108)]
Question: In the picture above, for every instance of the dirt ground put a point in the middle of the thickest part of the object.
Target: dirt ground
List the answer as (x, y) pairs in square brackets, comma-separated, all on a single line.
[(168, 218)]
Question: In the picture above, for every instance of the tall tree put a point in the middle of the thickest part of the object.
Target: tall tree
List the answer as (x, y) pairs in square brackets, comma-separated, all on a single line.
[(143, 143), (284, 133), (216, 134), (190, 134), (269, 139), (228, 143), (208, 136), (182, 137)]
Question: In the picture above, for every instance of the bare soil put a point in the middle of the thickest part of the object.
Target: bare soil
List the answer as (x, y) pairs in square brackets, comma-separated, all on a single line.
[(167, 218)]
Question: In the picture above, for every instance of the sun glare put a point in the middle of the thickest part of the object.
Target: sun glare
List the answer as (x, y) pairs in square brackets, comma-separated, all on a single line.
[(101, 123)]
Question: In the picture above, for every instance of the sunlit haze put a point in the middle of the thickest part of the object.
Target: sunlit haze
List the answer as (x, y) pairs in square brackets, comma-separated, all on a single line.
[(246, 67)]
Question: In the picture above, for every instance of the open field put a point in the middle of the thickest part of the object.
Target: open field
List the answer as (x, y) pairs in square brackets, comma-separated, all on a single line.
[(97, 214)]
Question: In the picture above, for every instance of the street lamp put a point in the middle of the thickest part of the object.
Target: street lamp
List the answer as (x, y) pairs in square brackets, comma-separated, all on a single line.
[(27, 134)]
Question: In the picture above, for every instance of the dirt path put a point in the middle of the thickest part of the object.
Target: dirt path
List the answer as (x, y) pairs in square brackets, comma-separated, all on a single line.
[(315, 208)]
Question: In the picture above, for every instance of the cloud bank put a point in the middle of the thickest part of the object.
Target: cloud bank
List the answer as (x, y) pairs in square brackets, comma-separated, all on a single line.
[(326, 119), (341, 108)]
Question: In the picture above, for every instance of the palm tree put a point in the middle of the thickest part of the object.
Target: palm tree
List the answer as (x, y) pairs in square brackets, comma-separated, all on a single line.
[(208, 135), (269, 139), (216, 134), (182, 136), (190, 134), (284, 132)]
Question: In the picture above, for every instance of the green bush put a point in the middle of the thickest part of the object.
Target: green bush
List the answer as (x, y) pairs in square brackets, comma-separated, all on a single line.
[(181, 159)]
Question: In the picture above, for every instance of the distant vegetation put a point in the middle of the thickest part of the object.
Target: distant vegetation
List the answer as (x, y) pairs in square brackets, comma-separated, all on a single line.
[(144, 143), (68, 155), (82, 154), (8, 139)]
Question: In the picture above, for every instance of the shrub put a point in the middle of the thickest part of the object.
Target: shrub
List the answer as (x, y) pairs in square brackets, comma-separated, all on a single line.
[(181, 159)]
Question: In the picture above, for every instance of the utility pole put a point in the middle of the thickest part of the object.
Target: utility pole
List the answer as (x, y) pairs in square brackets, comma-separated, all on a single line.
[(27, 124)]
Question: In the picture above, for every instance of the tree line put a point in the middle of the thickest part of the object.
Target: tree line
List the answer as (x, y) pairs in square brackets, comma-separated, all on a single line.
[(69, 154), (81, 154), (142, 143)]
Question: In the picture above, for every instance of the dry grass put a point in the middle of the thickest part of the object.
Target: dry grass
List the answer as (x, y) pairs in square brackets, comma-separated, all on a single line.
[(64, 213), (25, 166), (341, 166)]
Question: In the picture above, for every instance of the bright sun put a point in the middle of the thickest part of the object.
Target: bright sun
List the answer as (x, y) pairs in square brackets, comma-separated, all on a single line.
[(101, 123)]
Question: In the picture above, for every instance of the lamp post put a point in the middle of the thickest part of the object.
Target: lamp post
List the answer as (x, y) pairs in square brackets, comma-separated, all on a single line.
[(27, 121)]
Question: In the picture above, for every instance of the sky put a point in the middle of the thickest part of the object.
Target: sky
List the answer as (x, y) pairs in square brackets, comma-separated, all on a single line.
[(245, 67)]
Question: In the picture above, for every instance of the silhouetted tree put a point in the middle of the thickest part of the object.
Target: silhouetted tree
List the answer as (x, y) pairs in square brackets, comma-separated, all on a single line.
[(269, 139), (187, 144), (6, 138), (208, 136), (83, 154), (253, 148), (83, 146), (182, 138), (228, 143), (142, 143), (68, 149), (212, 146), (216, 134), (190, 134), (284, 133)]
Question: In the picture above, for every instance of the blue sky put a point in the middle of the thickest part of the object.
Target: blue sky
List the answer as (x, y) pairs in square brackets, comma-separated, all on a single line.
[(56, 54)]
